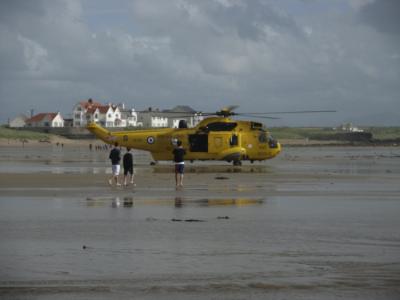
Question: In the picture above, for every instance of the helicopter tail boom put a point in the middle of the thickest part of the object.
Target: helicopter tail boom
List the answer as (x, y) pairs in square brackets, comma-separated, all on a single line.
[(101, 133)]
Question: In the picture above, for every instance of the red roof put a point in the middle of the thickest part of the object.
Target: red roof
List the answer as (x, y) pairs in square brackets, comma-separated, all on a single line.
[(89, 104), (91, 110), (41, 116), (104, 109)]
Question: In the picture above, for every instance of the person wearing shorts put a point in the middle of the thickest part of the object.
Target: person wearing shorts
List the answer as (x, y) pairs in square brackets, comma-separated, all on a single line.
[(179, 154), (115, 157)]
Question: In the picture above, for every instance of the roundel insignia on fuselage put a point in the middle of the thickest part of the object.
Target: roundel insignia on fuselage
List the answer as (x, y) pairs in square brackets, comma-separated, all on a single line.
[(151, 140)]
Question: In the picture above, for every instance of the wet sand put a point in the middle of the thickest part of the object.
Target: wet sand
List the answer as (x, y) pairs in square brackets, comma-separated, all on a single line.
[(314, 223)]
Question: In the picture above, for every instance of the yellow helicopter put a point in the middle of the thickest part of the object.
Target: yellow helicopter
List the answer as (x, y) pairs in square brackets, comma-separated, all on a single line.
[(218, 137)]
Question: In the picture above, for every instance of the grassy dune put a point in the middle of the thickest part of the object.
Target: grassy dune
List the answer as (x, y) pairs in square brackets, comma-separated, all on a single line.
[(384, 133), (300, 132), (14, 134), (379, 133)]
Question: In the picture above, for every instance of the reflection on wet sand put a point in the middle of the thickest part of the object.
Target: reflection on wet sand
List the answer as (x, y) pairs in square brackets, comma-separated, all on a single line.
[(229, 202), (160, 169), (178, 201), (126, 202)]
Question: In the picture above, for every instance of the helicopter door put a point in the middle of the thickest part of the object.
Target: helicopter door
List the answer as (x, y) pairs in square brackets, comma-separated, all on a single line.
[(217, 142), (198, 142)]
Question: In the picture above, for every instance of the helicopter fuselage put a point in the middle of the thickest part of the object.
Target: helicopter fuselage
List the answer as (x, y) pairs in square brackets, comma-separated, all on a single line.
[(215, 138)]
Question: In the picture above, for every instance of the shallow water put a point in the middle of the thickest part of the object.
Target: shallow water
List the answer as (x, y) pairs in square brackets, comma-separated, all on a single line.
[(306, 239)]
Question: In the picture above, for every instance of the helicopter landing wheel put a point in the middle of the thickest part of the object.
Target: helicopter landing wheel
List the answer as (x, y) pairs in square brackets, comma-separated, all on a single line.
[(237, 163)]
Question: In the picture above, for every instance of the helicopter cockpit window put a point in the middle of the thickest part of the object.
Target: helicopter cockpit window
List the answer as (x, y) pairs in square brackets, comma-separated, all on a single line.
[(221, 126), (256, 126), (273, 143), (262, 138)]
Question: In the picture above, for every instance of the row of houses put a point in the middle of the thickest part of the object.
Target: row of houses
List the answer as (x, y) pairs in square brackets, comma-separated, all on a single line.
[(111, 115), (40, 120)]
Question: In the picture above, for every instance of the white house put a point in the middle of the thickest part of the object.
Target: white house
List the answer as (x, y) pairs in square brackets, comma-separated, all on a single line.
[(129, 118), (109, 115), (105, 115), (152, 118), (349, 128), (79, 117), (46, 120), (170, 117), (183, 112), (18, 121)]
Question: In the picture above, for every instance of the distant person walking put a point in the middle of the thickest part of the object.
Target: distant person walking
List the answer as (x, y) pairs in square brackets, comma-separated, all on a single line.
[(115, 156), (179, 154), (128, 166)]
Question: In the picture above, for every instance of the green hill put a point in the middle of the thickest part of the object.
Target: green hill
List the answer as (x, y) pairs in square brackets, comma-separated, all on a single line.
[(16, 134)]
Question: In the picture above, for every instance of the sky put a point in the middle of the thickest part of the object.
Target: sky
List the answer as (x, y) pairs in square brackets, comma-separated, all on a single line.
[(262, 55)]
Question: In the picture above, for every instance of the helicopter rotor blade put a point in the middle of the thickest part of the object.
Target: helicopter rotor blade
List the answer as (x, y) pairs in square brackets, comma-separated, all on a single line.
[(167, 112), (291, 112), (256, 116), (228, 111)]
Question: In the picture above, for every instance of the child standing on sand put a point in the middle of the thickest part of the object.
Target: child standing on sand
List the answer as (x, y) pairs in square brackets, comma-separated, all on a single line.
[(128, 166)]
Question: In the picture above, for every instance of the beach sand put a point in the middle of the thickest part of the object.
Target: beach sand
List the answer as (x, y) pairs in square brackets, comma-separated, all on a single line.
[(313, 223)]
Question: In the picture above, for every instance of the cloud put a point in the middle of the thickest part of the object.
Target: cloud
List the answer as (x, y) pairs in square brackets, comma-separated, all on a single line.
[(207, 54), (382, 15)]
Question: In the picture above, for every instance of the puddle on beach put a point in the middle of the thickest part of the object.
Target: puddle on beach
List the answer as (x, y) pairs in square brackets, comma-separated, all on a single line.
[(130, 201)]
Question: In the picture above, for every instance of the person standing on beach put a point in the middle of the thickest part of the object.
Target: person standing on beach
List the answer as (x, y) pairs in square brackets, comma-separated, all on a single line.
[(179, 154), (115, 156), (127, 161)]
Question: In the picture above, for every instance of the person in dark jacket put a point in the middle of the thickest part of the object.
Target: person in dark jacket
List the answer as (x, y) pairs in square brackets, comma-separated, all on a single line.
[(115, 156), (127, 161), (179, 154)]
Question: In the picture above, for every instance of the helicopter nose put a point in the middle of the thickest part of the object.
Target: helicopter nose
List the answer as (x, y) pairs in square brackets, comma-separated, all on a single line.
[(277, 149)]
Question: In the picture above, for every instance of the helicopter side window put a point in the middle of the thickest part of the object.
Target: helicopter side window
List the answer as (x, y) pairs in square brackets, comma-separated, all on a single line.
[(198, 142), (221, 126), (233, 141)]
